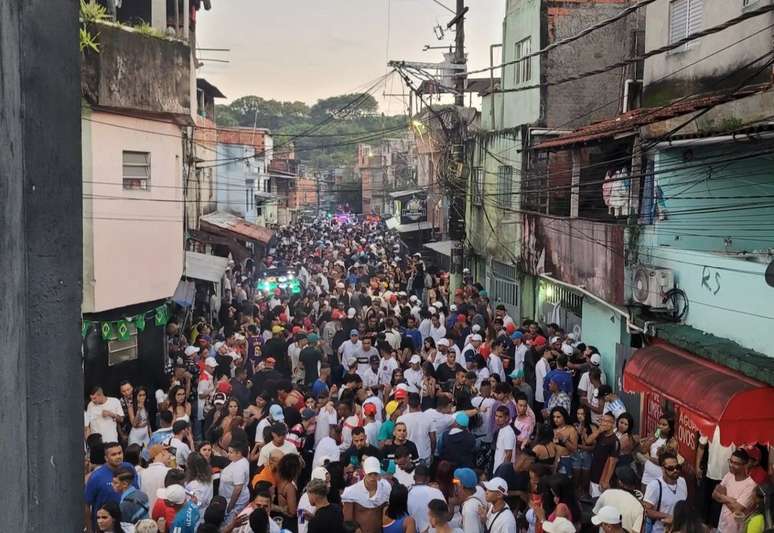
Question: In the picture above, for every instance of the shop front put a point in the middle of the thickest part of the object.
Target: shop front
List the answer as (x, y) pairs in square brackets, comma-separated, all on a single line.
[(704, 398)]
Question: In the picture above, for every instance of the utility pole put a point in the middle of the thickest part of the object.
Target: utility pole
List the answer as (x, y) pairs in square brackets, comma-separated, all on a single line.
[(457, 189), (317, 183)]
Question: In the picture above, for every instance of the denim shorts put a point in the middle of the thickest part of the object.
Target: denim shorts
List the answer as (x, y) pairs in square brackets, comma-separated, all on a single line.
[(565, 465), (581, 460)]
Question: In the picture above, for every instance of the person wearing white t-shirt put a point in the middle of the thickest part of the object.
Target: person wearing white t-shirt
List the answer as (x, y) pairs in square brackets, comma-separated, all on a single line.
[(328, 448), (420, 429), (440, 417), (662, 494), (420, 495), (542, 368), (234, 482), (103, 414), (484, 403), (506, 438), (305, 507), (349, 348), (499, 517), (278, 442), (414, 374), (473, 499), (519, 350), (495, 362)]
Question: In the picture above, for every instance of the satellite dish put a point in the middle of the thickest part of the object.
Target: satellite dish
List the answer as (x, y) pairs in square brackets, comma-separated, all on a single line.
[(770, 274)]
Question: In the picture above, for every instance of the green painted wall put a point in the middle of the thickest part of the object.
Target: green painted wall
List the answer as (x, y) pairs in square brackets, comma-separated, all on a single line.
[(604, 328), (522, 21)]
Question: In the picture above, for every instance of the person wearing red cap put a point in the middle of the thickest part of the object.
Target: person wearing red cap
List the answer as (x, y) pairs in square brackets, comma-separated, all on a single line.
[(371, 425)]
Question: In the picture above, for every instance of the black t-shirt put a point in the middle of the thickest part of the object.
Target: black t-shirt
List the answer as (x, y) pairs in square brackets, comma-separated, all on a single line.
[(606, 446), (389, 450), (351, 452), (310, 356), (443, 373), (328, 519)]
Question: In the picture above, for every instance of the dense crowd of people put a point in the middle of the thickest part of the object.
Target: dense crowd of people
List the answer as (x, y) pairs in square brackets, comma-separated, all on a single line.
[(377, 400)]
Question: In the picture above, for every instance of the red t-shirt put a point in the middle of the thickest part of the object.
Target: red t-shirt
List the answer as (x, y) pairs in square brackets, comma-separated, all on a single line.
[(162, 510)]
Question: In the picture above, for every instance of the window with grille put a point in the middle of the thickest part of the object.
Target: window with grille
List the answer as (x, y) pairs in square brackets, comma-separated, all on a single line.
[(137, 171), (121, 351), (478, 186), (523, 69), (504, 186), (685, 18)]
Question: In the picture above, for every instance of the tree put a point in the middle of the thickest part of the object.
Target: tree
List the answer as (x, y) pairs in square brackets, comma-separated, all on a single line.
[(345, 106)]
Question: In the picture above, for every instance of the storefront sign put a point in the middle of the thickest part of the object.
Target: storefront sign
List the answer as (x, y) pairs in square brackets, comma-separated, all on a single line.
[(685, 428)]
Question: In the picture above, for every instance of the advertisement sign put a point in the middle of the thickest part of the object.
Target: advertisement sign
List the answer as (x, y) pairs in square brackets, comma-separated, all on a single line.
[(685, 428), (413, 208)]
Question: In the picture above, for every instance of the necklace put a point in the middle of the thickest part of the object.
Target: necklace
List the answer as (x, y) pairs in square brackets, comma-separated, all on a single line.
[(672, 490)]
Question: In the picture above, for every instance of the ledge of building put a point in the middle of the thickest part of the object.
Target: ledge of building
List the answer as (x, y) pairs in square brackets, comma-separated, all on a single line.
[(723, 351)]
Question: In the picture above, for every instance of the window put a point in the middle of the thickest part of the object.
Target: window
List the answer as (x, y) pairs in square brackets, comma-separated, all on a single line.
[(685, 18), (522, 71), (122, 351), (746, 3), (504, 186), (136, 171), (249, 195), (478, 186)]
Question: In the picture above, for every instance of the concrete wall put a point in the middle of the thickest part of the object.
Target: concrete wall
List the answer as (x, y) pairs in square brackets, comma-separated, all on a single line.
[(604, 328), (522, 20), (574, 104), (138, 72), (705, 75), (728, 297), (40, 290), (710, 207), (136, 245), (231, 190)]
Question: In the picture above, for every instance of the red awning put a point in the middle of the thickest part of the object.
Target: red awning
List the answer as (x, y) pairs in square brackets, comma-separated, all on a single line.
[(712, 395)]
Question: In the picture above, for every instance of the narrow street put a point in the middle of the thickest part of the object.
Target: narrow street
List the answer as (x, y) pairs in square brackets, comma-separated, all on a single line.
[(411, 266)]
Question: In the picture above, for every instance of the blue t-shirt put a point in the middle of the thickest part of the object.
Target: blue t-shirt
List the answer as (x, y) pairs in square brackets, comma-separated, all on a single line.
[(99, 489), (415, 336), (186, 519), (319, 388)]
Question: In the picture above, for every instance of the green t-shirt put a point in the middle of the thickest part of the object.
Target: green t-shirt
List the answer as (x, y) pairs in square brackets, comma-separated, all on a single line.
[(755, 524), (385, 432)]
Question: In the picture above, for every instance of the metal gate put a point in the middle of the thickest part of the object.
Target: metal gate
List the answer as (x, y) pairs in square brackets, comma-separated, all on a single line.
[(630, 399), (503, 287)]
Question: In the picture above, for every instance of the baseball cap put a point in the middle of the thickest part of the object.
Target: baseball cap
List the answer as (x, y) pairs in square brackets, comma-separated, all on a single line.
[(373, 358), (558, 525), (401, 394), (554, 339), (190, 350), (517, 335), (567, 349), (415, 359), (461, 419), (391, 407), (313, 337), (452, 308), (307, 414), (433, 311), (606, 515), (517, 374), (371, 466), (276, 329), (173, 493), (497, 484), (354, 333), (218, 345), (369, 409), (219, 398), (275, 412), (539, 341), (467, 477), (211, 361), (442, 342), (476, 328), (595, 359), (351, 312), (413, 298), (475, 338)]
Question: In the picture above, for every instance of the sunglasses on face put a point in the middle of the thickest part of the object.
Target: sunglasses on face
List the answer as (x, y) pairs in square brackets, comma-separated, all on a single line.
[(671, 468)]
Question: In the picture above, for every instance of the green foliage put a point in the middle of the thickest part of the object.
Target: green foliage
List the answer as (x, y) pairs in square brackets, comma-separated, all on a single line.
[(93, 12), (149, 31), (87, 40), (329, 146)]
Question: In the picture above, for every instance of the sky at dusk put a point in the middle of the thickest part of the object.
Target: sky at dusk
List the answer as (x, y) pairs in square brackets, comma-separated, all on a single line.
[(310, 49)]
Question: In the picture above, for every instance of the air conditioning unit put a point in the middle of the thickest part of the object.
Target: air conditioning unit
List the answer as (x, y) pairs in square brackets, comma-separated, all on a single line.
[(651, 285)]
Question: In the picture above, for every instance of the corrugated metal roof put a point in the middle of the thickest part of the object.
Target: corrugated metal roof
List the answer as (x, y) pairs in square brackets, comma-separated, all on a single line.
[(628, 122), (236, 225), (416, 226), (442, 247)]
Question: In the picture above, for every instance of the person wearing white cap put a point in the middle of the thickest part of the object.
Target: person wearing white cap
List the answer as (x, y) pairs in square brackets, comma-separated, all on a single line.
[(414, 374), (583, 385), (608, 518), (497, 516), (305, 507), (363, 501), (204, 389)]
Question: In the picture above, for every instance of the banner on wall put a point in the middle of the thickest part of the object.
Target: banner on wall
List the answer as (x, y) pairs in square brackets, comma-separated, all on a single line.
[(687, 432), (413, 209)]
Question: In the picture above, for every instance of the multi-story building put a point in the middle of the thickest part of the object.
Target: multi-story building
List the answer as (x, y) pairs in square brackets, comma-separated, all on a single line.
[(511, 190), (649, 231), (243, 186), (137, 116)]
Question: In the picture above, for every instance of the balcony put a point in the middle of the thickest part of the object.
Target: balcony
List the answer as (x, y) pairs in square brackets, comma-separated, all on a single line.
[(137, 72)]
